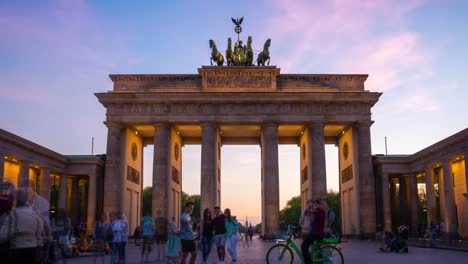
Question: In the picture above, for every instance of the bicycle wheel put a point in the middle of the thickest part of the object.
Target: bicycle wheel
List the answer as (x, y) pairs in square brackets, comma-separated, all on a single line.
[(328, 254), (279, 254)]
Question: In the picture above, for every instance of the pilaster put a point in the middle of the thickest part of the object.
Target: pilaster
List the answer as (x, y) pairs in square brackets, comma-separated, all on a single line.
[(450, 213), (62, 198), (23, 177), (414, 203), (45, 183), (387, 212), (430, 196)]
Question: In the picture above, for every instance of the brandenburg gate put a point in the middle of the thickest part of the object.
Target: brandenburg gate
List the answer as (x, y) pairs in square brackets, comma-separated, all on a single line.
[(239, 105)]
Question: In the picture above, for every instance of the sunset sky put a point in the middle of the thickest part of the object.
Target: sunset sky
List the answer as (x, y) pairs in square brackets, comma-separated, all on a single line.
[(55, 54)]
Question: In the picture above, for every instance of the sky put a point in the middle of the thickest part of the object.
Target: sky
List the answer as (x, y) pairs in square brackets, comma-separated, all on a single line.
[(55, 54)]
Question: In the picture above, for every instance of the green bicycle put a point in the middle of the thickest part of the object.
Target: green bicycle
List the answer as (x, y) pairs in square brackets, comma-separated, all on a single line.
[(324, 252)]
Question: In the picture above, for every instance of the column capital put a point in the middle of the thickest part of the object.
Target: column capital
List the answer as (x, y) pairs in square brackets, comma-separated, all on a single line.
[(113, 124), (162, 124), (269, 124), (363, 124), (316, 124), (208, 124)]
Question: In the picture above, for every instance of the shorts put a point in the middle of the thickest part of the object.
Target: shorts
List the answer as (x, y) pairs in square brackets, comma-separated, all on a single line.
[(220, 240), (188, 246), (160, 239)]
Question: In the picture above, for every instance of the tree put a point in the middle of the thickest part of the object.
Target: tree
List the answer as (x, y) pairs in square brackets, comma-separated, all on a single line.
[(258, 228), (291, 213), (147, 200), (333, 199)]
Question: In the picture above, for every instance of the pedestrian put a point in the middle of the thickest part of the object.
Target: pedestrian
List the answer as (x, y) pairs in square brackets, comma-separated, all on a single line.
[(7, 199), (99, 237), (206, 234), (251, 232), (306, 219), (246, 236), (137, 235), (123, 237), (115, 228), (24, 230), (316, 230), (173, 243), (220, 234), (232, 234), (160, 233), (330, 220), (147, 224), (186, 234), (41, 206), (61, 230)]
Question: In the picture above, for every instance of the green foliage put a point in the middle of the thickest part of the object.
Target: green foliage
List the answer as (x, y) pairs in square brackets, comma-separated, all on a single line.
[(291, 213), (258, 228), (147, 200)]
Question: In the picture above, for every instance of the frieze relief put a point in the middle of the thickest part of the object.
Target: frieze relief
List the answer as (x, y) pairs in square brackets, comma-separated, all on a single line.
[(239, 81), (238, 108)]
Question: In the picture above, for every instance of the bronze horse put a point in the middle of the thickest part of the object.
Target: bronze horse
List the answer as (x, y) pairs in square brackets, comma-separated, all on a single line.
[(249, 55), (264, 56), (229, 54), (216, 56)]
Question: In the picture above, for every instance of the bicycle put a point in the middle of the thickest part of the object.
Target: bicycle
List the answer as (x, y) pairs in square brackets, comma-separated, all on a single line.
[(323, 252)]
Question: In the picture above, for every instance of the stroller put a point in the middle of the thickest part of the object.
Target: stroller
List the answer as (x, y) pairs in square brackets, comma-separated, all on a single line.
[(396, 242)]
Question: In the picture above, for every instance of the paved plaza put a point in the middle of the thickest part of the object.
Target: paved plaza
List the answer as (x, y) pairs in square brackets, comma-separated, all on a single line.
[(354, 252)]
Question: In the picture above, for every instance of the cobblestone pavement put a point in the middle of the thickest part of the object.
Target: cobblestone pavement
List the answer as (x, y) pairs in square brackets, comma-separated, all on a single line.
[(354, 252)]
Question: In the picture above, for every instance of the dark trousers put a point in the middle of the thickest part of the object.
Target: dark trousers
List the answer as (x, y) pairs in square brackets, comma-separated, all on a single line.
[(307, 241), (207, 242)]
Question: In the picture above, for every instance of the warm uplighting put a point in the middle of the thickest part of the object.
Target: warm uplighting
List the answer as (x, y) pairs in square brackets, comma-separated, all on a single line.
[(302, 132), (343, 132), (136, 132), (178, 132)]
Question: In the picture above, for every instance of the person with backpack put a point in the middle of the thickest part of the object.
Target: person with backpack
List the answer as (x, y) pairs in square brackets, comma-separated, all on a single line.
[(330, 221)]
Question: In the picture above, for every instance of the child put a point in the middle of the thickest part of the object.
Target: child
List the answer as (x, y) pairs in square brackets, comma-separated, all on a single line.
[(173, 243)]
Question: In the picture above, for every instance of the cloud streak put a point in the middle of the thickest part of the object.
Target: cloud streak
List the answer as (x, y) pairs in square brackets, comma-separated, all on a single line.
[(351, 37)]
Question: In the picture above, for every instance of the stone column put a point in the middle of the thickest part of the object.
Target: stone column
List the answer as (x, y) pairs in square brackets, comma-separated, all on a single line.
[(45, 183), (430, 196), (403, 200), (393, 202), (387, 211), (2, 166), (317, 167), (114, 177), (91, 212), (209, 168), (270, 181), (414, 203), (366, 180), (62, 197), (75, 201), (161, 168), (450, 211), (23, 177)]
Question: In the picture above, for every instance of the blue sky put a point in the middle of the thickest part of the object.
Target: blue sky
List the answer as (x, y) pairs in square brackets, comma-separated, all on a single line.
[(55, 54)]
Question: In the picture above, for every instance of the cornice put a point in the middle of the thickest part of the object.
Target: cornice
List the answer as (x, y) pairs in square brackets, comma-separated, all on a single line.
[(154, 77)]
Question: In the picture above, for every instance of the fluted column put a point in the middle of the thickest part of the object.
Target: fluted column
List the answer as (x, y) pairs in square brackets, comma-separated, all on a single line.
[(317, 166), (387, 211), (45, 183), (161, 168), (114, 171), (403, 200), (75, 200), (91, 210), (430, 195), (414, 203), (270, 180), (450, 211), (62, 199), (2, 166), (209, 168), (23, 177), (366, 180)]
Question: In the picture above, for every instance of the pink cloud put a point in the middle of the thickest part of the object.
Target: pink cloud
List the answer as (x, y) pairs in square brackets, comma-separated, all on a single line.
[(417, 102), (353, 37)]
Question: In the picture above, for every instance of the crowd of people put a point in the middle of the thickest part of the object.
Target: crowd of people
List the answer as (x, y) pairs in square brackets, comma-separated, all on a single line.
[(177, 245)]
